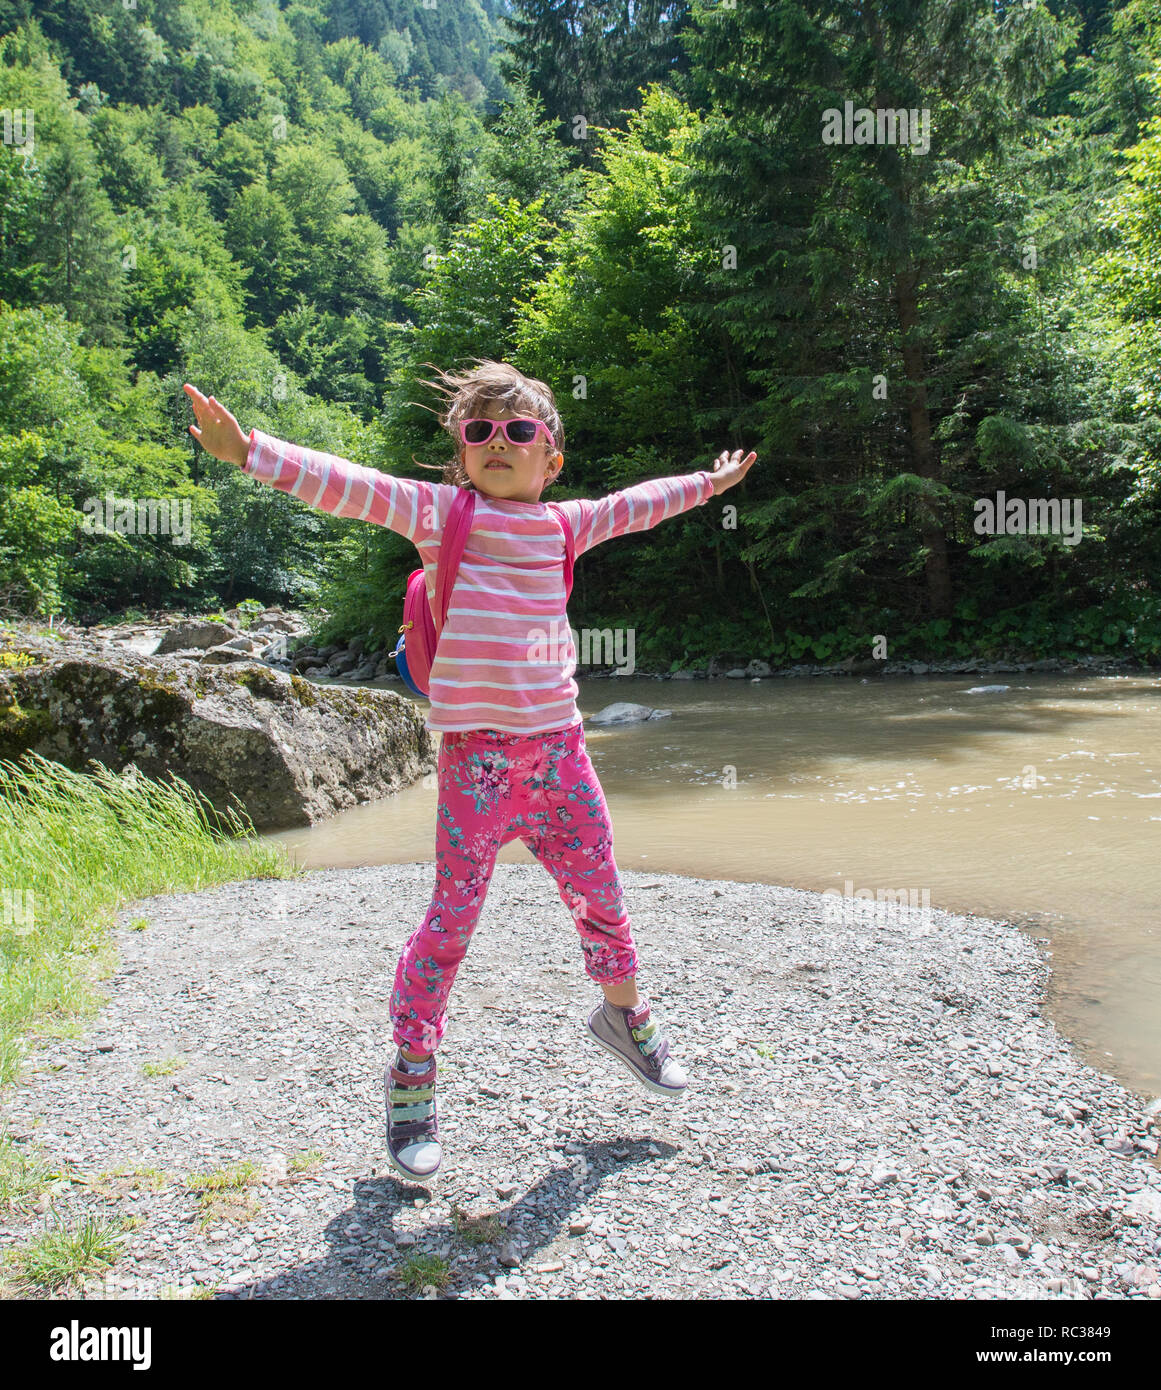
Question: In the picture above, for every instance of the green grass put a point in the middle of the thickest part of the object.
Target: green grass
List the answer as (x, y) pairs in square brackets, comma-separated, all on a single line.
[(417, 1271), (24, 1176), (166, 1067), (61, 1257), (189, 1292), (475, 1230), (305, 1161), (74, 849), (116, 1182), (222, 1193)]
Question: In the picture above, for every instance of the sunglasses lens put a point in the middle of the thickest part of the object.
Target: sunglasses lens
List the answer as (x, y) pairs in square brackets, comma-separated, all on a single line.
[(521, 431), (477, 431)]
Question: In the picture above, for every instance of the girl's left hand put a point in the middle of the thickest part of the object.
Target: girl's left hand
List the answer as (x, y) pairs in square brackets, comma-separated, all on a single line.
[(730, 468)]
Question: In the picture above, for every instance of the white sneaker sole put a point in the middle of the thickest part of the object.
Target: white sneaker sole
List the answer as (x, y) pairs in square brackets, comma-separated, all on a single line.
[(399, 1167), (672, 1092)]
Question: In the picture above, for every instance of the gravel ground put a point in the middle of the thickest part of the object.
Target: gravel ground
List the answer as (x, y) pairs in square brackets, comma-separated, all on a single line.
[(876, 1110)]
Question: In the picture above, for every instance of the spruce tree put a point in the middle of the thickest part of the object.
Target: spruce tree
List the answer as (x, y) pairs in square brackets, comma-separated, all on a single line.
[(590, 57), (875, 313)]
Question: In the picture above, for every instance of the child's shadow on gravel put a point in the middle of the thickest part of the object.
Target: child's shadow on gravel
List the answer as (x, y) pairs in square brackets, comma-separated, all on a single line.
[(365, 1259)]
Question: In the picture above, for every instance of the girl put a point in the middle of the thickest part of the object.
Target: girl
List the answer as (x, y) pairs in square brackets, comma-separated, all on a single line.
[(512, 758)]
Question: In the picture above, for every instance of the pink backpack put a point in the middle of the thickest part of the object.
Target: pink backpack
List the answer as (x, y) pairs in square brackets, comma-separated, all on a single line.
[(419, 634)]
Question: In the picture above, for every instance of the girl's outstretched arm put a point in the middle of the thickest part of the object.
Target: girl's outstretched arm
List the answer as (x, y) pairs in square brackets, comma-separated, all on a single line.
[(326, 482), (639, 507)]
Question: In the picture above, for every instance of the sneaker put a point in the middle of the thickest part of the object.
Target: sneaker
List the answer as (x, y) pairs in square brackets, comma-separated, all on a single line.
[(630, 1034), (413, 1146)]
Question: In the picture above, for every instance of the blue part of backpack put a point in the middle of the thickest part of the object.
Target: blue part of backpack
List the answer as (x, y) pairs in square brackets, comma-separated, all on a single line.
[(401, 666)]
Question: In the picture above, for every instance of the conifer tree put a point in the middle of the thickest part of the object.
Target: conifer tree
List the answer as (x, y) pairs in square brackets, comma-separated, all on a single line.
[(590, 57), (872, 306)]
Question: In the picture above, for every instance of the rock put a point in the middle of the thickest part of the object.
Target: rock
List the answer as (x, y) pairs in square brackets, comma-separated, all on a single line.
[(758, 668), (223, 656), (275, 619), (738, 673), (366, 671), (189, 637), (682, 676), (862, 666), (624, 713), (1145, 1204), (987, 689), (727, 661), (194, 633), (939, 1208), (291, 752)]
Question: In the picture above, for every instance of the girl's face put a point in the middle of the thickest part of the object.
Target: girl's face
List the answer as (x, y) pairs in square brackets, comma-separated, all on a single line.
[(512, 472)]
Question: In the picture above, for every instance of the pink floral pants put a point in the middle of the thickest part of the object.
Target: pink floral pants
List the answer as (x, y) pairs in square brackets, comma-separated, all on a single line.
[(494, 788)]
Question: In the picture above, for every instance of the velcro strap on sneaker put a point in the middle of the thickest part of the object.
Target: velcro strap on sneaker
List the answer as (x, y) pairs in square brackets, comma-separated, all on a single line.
[(413, 1078), (402, 1135), (411, 1095), (404, 1113)]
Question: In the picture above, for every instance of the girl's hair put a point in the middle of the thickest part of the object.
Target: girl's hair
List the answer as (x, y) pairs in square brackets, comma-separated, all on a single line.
[(468, 394)]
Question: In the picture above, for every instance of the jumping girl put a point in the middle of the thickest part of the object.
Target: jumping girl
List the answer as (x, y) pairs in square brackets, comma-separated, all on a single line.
[(512, 758)]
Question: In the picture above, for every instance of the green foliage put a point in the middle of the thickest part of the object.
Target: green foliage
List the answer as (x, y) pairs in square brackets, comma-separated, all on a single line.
[(295, 208), (592, 59)]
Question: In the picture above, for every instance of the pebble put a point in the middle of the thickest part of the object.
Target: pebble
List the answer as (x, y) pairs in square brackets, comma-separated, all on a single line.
[(903, 1097)]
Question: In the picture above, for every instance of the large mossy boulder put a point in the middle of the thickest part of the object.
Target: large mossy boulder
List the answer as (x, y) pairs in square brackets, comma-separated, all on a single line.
[(291, 752)]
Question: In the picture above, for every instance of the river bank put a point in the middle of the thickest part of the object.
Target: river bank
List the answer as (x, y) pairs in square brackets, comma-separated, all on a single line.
[(279, 637), (875, 1111)]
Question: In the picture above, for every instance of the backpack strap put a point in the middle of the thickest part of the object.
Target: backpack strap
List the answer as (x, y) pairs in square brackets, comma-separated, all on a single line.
[(569, 547), (451, 549)]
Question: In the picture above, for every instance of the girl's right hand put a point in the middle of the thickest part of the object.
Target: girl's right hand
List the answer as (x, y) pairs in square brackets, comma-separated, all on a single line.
[(220, 434)]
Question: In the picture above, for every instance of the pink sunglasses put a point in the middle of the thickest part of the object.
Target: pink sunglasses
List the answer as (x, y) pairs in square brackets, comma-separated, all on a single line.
[(519, 431)]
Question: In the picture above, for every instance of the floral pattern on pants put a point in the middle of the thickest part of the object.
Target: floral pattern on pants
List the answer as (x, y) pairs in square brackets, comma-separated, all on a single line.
[(497, 787)]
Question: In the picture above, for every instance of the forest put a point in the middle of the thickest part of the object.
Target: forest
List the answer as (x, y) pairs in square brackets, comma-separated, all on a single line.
[(907, 251)]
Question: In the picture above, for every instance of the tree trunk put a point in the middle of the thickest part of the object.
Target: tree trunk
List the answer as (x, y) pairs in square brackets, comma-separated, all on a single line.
[(923, 450), (922, 445)]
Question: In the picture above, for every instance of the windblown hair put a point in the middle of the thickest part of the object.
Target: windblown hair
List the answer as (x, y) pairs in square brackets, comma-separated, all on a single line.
[(468, 394)]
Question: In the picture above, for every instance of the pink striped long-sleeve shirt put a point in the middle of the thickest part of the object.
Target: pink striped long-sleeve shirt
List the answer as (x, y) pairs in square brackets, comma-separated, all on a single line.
[(506, 657)]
